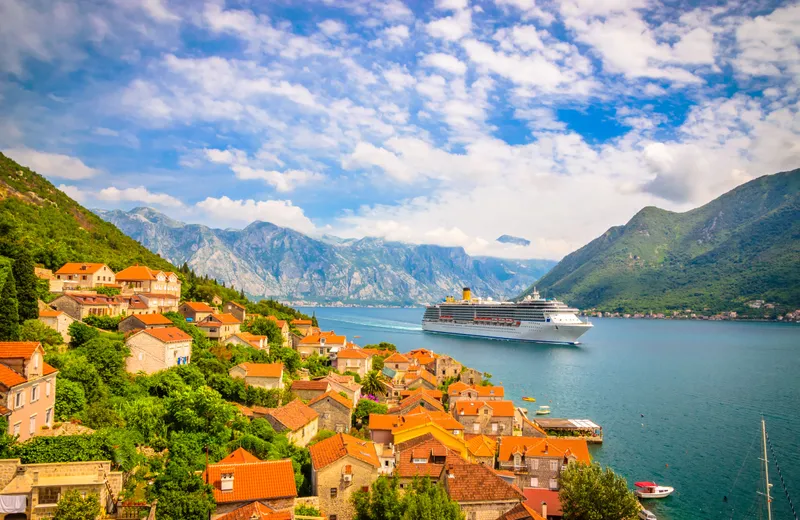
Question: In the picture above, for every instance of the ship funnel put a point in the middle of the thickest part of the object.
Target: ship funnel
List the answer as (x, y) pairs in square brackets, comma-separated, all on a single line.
[(467, 294)]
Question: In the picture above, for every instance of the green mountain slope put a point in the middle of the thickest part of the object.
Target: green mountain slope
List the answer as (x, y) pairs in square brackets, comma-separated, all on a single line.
[(741, 246)]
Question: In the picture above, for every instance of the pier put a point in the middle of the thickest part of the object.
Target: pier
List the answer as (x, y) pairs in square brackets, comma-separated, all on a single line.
[(574, 428)]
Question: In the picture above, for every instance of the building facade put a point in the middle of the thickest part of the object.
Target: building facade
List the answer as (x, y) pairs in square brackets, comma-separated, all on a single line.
[(59, 321), (335, 412), (142, 279), (156, 349), (195, 311), (76, 275), (262, 375), (491, 418), (78, 306), (27, 388), (219, 326)]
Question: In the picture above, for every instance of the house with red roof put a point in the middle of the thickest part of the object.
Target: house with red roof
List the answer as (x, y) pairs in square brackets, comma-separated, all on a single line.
[(219, 326), (297, 420), (262, 375), (27, 388), (397, 362), (236, 309), (142, 279), (346, 384), (59, 321), (419, 399), (158, 302), (80, 305), (335, 411), (304, 327), (340, 466), (459, 391), (353, 360), (308, 390), (249, 340), (544, 502), (538, 462), (144, 321), (242, 479), (76, 275), (479, 491), (286, 332), (486, 417), (195, 311), (323, 343), (156, 349)]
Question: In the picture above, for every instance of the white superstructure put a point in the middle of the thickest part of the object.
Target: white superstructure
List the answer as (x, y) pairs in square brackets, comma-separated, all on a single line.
[(532, 319)]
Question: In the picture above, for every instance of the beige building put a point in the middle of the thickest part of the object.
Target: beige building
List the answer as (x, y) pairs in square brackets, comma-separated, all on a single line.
[(340, 466), (76, 275), (242, 478), (219, 326), (346, 384), (54, 285), (80, 305), (471, 376), (353, 360), (285, 331), (27, 388), (444, 367), (300, 422), (335, 412), (59, 321), (398, 362), (144, 321), (261, 375), (304, 327), (33, 490), (459, 391), (195, 311), (321, 344), (249, 340), (307, 390), (236, 309), (158, 349), (142, 279), (491, 418)]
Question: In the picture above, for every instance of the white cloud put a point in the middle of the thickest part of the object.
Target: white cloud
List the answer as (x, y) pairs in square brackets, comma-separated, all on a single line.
[(445, 62), (451, 28), (73, 192), (395, 35), (281, 181), (242, 212), (158, 11), (398, 78), (332, 28), (770, 45), (452, 5), (52, 164), (139, 194)]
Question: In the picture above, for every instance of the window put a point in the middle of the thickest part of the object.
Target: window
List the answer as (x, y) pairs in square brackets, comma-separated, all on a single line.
[(32, 429), (49, 495), (365, 488), (34, 393), (334, 492), (535, 464), (456, 432), (553, 484), (476, 427), (48, 417), (534, 482), (47, 388), (19, 400), (485, 411), (494, 427), (141, 356), (17, 428), (553, 465), (420, 461)]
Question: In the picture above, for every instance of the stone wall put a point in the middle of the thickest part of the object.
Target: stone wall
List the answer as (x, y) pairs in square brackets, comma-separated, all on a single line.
[(486, 510), (331, 477), (332, 415)]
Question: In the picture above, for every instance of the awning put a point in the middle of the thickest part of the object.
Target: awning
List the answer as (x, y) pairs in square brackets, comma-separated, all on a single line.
[(645, 484), (13, 503)]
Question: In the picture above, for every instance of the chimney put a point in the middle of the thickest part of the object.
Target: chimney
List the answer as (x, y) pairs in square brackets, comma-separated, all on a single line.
[(544, 510), (226, 482)]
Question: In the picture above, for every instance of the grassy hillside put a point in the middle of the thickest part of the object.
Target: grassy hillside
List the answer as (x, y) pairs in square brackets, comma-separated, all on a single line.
[(742, 246)]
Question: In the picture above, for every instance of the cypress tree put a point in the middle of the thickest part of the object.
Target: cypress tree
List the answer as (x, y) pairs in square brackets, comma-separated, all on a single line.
[(314, 322), (9, 309), (26, 286)]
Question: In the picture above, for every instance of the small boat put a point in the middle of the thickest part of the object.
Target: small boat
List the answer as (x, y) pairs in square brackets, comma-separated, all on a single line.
[(529, 399), (543, 410), (644, 514), (652, 490)]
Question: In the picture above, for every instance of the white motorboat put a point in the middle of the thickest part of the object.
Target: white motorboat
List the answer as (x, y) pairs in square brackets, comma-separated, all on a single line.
[(644, 514), (543, 410), (652, 490)]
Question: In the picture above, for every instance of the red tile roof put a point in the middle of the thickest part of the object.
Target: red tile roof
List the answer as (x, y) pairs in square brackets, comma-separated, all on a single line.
[(521, 512), (397, 358), (482, 446), (256, 511), (482, 391), (47, 369), (467, 482), (224, 318), (417, 417), (281, 323), (136, 273), (236, 304), (347, 403), (435, 453), (318, 384), (49, 313), (262, 480), (199, 306), (341, 445), (18, 349), (239, 456), (471, 408), (273, 370), (301, 322), (535, 496), (352, 353), (544, 447), (10, 378), (151, 319), (294, 415), (430, 392), (79, 268), (330, 338), (168, 334), (94, 299), (415, 400)]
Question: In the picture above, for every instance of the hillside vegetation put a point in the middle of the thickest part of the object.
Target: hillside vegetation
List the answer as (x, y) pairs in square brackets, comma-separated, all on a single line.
[(742, 246)]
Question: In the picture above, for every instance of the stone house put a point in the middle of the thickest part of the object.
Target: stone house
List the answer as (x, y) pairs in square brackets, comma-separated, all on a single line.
[(33, 490), (482, 449), (159, 302), (335, 412), (393, 429), (236, 309), (304, 327), (142, 279), (261, 375), (158, 349), (353, 360), (219, 326), (195, 311), (144, 321), (434, 394), (242, 478), (422, 356), (76, 275), (340, 466), (416, 401), (459, 391), (397, 362), (79, 306), (258, 511), (444, 367), (419, 379), (471, 376), (249, 340), (300, 422), (423, 456), (479, 491), (27, 388), (346, 384), (283, 325), (321, 343), (538, 462), (486, 417), (59, 321), (308, 390), (529, 428), (54, 285)]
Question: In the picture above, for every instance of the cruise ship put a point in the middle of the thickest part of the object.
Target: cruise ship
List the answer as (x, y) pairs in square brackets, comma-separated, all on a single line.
[(532, 319)]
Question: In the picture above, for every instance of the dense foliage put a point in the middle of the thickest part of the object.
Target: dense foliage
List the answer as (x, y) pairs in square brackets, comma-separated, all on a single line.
[(589, 492), (423, 500), (72, 506)]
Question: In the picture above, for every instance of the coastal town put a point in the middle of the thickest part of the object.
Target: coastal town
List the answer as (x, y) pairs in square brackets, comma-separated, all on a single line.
[(361, 413)]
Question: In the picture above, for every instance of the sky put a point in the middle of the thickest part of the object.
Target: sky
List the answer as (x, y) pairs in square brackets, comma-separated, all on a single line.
[(448, 122)]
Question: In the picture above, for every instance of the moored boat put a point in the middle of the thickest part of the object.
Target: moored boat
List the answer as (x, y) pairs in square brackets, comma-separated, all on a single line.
[(543, 410), (529, 399), (644, 514), (652, 490)]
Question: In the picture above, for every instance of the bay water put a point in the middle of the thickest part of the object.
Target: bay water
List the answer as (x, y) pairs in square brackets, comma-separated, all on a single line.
[(680, 402)]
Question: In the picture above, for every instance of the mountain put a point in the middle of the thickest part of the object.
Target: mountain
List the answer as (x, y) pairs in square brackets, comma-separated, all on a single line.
[(510, 239), (268, 260), (744, 245)]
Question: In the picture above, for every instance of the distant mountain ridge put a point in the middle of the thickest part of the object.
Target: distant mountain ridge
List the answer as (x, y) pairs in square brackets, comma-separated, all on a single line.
[(742, 246), (510, 239), (268, 260)]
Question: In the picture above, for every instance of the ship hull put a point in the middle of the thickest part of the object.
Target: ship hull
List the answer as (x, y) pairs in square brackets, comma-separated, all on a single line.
[(537, 332)]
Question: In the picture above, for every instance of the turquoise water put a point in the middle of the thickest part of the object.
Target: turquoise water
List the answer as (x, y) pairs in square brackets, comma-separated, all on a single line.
[(701, 386)]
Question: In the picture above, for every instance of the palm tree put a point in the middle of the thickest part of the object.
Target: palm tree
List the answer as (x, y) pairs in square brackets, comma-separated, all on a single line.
[(371, 383)]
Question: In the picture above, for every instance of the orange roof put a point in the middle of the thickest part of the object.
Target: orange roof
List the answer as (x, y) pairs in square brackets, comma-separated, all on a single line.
[(416, 417), (239, 456), (79, 268), (257, 480), (415, 399), (432, 392), (18, 349), (256, 511), (480, 390), (544, 447), (319, 384), (499, 408), (521, 511), (397, 358), (199, 306), (226, 318), (236, 304), (352, 353), (280, 323), (10, 378), (246, 411), (167, 334), (301, 322), (273, 370), (335, 396), (294, 415), (427, 448), (47, 369), (422, 374), (456, 387), (48, 313), (342, 445), (467, 482), (136, 273), (482, 446), (330, 337), (151, 319)]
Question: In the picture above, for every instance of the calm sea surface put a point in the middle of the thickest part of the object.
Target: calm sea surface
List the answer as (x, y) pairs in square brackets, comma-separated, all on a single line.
[(701, 386)]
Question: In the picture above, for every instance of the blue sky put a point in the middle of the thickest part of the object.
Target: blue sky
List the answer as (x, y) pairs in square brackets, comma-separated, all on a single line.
[(449, 122)]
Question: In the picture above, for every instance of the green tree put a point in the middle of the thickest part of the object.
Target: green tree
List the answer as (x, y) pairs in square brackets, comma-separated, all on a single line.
[(26, 285), (9, 309), (35, 330), (382, 502), (314, 322), (70, 399), (73, 506), (181, 494), (81, 333), (108, 357), (264, 327), (589, 492), (427, 499), (371, 383), (383, 345), (366, 407)]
